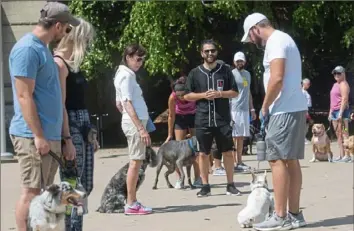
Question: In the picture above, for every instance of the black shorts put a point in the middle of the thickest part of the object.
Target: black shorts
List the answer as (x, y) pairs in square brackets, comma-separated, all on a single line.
[(183, 122), (222, 135)]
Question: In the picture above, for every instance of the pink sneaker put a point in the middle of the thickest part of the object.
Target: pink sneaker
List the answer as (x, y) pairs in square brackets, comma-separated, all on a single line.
[(136, 209)]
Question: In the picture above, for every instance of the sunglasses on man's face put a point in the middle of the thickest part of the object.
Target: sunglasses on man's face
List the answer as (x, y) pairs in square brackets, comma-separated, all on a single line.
[(209, 51), (68, 29)]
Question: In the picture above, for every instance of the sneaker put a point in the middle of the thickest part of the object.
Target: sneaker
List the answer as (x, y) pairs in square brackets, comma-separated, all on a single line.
[(274, 222), (178, 184), (219, 172), (204, 191), (241, 168), (136, 209), (345, 159), (338, 158), (232, 190), (198, 183), (297, 220)]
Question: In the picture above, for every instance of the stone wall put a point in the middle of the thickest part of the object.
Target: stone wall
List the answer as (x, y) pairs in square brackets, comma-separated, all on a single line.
[(17, 19)]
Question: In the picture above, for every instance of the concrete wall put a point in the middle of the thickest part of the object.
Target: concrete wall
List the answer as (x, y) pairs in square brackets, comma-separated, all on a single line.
[(17, 19)]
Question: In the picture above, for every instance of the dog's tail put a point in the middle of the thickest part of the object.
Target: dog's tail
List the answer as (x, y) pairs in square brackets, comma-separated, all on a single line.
[(153, 157)]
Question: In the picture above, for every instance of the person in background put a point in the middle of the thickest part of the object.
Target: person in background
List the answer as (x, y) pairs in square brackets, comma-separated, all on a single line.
[(36, 126), (69, 55), (306, 83), (285, 108), (339, 111), (241, 106), (181, 115), (134, 120)]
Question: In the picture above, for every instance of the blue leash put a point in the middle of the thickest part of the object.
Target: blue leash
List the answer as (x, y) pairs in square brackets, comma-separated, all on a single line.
[(190, 144)]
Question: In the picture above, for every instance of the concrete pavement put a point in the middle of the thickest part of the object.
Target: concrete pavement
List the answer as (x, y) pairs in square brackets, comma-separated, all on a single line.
[(327, 198)]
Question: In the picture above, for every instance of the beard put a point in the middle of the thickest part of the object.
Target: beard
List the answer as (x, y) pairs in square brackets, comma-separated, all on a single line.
[(210, 59), (258, 42), (240, 67)]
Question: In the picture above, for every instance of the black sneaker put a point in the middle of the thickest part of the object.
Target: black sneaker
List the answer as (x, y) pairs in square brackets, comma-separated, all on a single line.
[(204, 191), (232, 190)]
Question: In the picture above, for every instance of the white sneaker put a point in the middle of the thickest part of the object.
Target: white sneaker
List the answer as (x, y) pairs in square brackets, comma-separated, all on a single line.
[(219, 172), (178, 184)]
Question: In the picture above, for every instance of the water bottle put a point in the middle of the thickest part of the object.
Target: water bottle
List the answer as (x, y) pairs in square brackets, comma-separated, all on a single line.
[(260, 143), (261, 148)]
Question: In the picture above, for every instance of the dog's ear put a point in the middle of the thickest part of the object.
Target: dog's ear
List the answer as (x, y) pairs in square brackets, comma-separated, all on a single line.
[(254, 177), (53, 189)]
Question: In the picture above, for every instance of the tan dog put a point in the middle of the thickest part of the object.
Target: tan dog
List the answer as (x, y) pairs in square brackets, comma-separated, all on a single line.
[(321, 144), (348, 144)]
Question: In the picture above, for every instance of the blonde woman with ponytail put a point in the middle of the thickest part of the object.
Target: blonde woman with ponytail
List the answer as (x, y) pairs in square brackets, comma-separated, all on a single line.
[(69, 55)]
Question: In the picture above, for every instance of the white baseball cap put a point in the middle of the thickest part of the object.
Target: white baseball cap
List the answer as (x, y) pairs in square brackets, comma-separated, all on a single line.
[(250, 21), (239, 56)]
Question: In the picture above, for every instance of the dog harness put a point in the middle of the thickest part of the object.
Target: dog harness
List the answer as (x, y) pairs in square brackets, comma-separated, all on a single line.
[(190, 144)]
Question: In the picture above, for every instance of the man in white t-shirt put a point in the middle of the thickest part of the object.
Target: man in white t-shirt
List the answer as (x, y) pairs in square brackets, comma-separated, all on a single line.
[(285, 107), (306, 83)]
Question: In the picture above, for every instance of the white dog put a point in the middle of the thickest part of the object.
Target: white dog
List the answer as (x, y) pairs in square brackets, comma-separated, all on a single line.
[(259, 203), (47, 211)]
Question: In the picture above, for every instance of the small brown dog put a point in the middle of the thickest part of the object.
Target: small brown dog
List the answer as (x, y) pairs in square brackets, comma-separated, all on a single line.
[(348, 144), (321, 144)]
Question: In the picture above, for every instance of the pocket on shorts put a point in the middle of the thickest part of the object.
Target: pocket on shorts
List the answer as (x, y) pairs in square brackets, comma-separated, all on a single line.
[(129, 128), (28, 158)]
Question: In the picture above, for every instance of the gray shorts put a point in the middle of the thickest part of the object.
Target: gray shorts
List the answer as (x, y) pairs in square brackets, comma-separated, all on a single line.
[(285, 137)]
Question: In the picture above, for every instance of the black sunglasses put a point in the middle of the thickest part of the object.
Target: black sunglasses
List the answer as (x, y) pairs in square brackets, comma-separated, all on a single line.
[(140, 59), (68, 29), (337, 73), (209, 51)]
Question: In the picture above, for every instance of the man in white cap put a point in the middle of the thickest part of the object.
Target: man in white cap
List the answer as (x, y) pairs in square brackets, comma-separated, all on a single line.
[(241, 106), (36, 127), (285, 107)]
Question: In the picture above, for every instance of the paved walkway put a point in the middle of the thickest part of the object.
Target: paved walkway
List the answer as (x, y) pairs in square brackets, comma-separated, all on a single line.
[(327, 199)]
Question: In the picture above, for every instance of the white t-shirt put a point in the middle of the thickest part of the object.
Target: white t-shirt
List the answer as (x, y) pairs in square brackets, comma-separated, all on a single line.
[(128, 89), (308, 98), (290, 98)]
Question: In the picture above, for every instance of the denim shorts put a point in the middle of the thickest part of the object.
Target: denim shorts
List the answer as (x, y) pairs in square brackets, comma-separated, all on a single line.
[(345, 115)]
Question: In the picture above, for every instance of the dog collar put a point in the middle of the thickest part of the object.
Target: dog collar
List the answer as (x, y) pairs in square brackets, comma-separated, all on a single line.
[(190, 144)]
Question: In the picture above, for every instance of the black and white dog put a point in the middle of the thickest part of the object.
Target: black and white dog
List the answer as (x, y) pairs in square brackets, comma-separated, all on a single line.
[(176, 154), (115, 194)]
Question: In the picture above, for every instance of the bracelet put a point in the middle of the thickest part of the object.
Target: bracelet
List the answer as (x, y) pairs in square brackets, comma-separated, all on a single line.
[(253, 109), (67, 137), (220, 94)]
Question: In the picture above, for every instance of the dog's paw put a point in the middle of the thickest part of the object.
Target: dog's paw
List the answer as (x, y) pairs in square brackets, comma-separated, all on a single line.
[(246, 226), (330, 160), (312, 160), (154, 188), (170, 186)]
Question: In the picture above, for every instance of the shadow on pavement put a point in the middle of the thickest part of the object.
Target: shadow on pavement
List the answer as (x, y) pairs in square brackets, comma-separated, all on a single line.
[(347, 220), (189, 208), (113, 156)]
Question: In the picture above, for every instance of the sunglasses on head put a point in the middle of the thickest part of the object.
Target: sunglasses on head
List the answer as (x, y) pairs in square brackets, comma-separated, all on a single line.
[(209, 51)]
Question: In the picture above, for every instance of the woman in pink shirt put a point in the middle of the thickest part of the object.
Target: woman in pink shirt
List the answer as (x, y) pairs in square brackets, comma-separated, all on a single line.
[(339, 112), (181, 121)]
